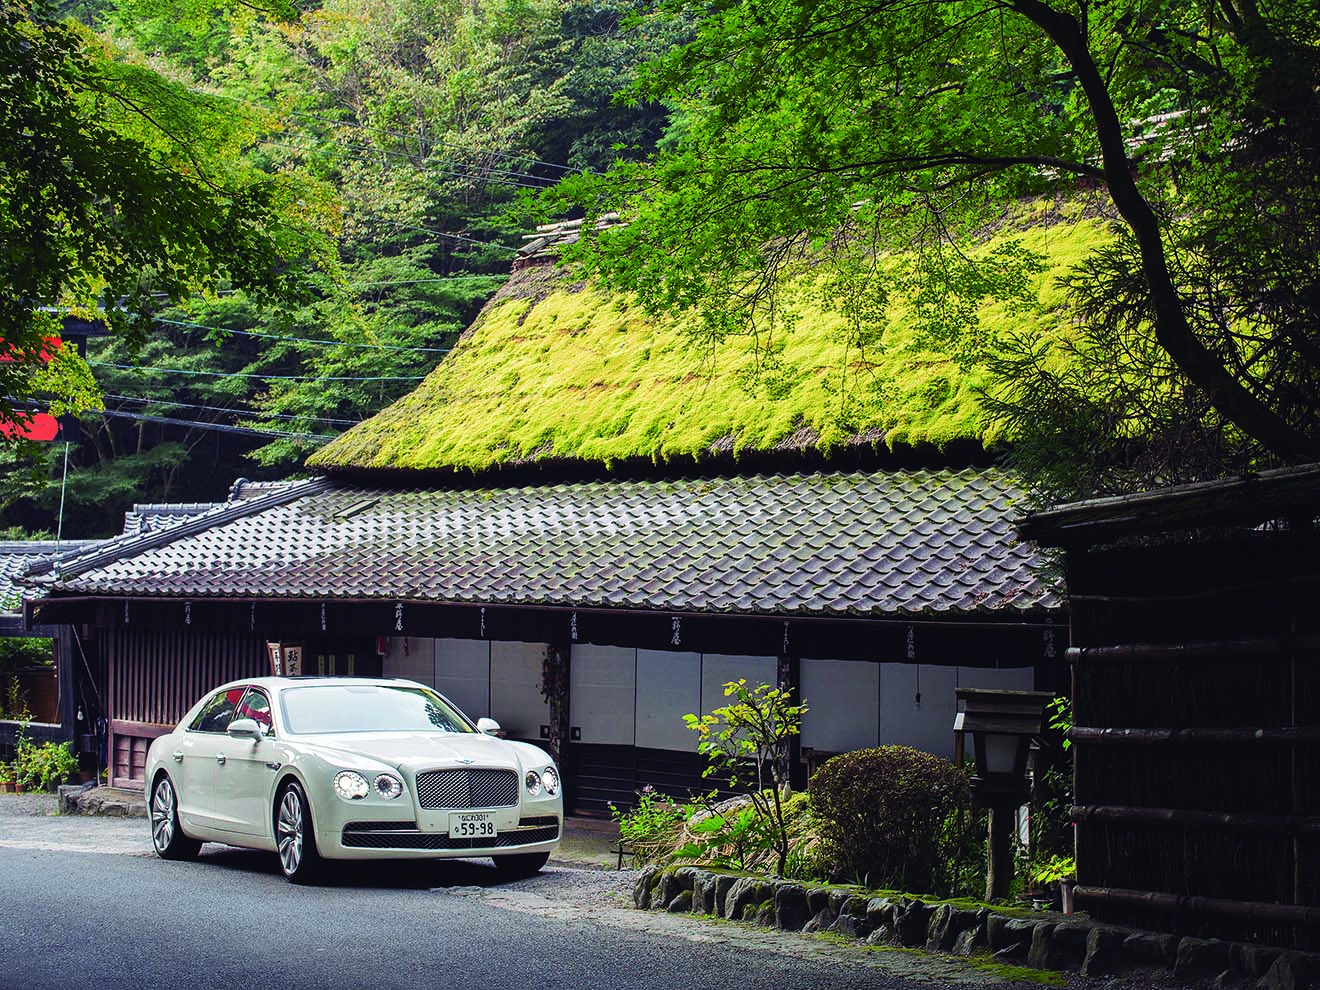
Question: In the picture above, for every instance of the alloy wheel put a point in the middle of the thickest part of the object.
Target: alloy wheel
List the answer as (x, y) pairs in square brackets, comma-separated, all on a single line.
[(163, 805), (290, 832)]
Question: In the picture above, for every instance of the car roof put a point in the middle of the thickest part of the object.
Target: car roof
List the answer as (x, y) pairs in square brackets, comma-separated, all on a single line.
[(273, 683)]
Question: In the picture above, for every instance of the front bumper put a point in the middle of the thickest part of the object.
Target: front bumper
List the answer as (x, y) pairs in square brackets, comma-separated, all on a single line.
[(538, 833), (417, 824)]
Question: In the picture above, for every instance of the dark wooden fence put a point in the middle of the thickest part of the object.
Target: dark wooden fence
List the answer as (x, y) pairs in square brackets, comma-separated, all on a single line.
[(1197, 734)]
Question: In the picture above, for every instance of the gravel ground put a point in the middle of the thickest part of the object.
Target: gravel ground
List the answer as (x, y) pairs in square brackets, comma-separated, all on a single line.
[(580, 884)]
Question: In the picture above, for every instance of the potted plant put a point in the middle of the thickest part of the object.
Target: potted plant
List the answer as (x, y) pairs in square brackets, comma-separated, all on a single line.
[(7, 785), (1058, 872)]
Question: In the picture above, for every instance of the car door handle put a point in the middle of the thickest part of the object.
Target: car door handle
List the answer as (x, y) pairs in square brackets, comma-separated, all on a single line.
[(178, 756), (220, 759)]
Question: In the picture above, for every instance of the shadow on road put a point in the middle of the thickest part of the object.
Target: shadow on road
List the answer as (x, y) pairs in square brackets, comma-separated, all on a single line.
[(421, 874)]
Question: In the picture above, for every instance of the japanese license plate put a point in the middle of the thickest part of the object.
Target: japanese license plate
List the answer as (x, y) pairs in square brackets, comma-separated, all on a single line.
[(471, 825)]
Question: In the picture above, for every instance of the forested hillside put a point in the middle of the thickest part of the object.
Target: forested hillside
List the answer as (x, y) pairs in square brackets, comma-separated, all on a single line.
[(426, 122), (289, 213)]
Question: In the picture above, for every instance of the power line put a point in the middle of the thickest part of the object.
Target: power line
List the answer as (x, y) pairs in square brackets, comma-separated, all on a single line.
[(216, 427), (254, 413), (420, 281), (304, 340), (272, 378), (442, 233)]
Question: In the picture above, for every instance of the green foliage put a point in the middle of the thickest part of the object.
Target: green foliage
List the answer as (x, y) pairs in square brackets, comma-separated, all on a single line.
[(894, 817), (873, 161), (733, 837), (25, 651), (736, 835), (1060, 718), (1053, 869), (651, 828), (40, 766), (124, 188), (747, 743), (427, 118)]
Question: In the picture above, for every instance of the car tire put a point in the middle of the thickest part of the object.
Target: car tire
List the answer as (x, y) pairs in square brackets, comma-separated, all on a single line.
[(520, 865), (167, 836), (295, 839)]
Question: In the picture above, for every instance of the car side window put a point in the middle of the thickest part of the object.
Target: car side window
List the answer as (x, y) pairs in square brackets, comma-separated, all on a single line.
[(256, 706), (215, 714)]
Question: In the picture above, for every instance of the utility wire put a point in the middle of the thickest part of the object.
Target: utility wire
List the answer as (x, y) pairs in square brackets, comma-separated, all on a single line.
[(216, 427), (253, 413), (272, 378), (303, 340), (441, 233)]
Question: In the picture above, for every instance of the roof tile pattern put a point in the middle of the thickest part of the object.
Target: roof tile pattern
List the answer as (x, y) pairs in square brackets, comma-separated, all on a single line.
[(16, 558), (829, 544)]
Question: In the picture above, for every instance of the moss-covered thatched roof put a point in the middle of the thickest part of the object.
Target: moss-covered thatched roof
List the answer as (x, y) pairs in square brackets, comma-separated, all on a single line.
[(554, 371)]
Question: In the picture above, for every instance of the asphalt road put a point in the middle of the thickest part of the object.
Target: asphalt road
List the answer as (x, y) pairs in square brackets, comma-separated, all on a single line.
[(84, 904)]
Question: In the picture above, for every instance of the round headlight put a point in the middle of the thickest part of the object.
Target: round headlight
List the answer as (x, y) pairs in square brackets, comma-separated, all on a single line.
[(350, 785), (533, 782), (388, 786), (550, 781)]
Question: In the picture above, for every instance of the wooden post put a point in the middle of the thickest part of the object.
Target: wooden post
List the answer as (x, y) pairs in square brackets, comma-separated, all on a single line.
[(790, 679), (999, 869), (555, 689)]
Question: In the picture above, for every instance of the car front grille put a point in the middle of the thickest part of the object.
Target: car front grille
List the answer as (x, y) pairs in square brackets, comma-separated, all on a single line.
[(404, 835), (467, 788)]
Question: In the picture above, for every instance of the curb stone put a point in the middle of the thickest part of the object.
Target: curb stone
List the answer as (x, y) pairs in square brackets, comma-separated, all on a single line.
[(1067, 943)]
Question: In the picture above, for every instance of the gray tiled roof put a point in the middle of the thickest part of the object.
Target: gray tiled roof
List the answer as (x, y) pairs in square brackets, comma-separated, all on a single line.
[(16, 557), (856, 544)]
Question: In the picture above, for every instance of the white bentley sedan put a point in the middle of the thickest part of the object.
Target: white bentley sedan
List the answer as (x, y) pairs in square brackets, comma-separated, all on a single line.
[(320, 768)]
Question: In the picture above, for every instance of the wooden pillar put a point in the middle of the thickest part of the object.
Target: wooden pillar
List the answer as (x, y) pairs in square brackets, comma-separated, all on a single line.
[(790, 679), (999, 868), (555, 683)]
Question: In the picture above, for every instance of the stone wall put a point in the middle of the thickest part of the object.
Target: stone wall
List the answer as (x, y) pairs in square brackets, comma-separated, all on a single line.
[(1043, 941)]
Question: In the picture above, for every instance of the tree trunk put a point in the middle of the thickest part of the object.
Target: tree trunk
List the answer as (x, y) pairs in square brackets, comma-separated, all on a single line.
[(1172, 331)]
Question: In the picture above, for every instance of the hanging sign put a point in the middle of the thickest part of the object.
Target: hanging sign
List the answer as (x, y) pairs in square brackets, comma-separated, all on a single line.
[(285, 659)]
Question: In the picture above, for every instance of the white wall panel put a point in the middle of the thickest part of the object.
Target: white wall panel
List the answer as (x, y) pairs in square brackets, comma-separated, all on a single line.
[(717, 669), (843, 705), (515, 689), (668, 687), (927, 725), (462, 674), (603, 693), (415, 662)]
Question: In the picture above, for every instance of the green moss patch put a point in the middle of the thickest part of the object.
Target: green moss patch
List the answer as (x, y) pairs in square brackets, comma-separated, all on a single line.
[(554, 371)]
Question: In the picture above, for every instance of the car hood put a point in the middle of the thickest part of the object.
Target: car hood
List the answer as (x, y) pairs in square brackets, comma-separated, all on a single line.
[(416, 751)]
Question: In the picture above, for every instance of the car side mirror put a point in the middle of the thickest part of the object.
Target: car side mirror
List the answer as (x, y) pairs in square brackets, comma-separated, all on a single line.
[(246, 728), (489, 726)]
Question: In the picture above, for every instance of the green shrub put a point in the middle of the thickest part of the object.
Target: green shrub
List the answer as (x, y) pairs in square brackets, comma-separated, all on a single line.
[(652, 827), (893, 816), (41, 766)]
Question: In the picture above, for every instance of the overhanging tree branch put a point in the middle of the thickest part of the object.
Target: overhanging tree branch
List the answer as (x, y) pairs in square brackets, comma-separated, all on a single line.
[(1172, 329)]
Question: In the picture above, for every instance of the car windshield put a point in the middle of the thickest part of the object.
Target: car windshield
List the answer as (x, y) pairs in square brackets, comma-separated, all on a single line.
[(369, 708)]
